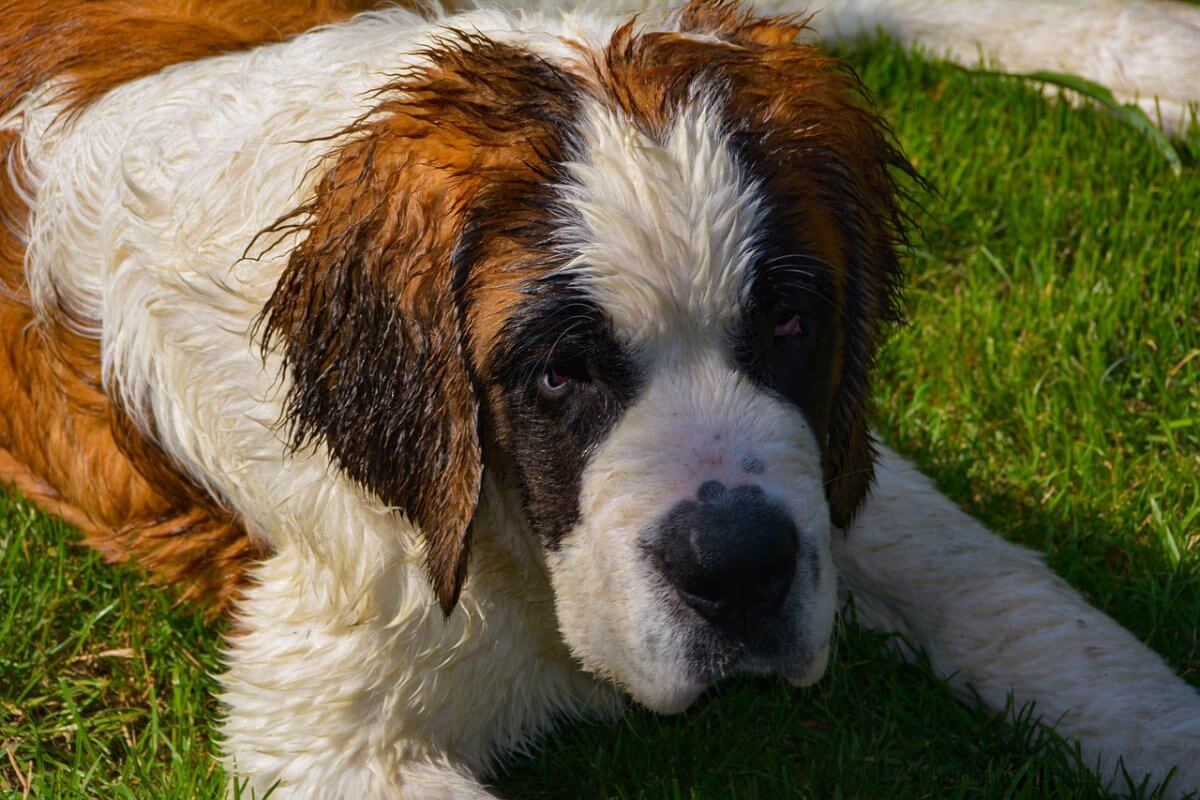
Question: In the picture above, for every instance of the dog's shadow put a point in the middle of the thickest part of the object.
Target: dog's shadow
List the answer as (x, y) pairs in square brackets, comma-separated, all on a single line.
[(876, 726)]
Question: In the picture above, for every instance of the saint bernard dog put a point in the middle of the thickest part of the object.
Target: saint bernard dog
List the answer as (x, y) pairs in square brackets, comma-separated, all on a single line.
[(494, 366)]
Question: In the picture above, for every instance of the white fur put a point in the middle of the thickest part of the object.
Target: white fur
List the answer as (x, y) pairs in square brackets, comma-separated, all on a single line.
[(993, 619), (348, 682), (1147, 52), (666, 233)]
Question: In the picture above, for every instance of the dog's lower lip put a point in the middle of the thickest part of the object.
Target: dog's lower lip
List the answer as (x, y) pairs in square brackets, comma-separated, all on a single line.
[(802, 679), (676, 703), (802, 670), (809, 670)]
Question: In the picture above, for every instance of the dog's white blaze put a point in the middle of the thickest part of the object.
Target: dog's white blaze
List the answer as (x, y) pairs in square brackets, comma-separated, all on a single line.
[(665, 231)]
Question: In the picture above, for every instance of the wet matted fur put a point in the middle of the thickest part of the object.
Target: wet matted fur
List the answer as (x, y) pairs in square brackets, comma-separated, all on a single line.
[(496, 366)]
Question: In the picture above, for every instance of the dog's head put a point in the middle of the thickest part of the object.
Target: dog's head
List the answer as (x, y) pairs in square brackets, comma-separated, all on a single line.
[(650, 275)]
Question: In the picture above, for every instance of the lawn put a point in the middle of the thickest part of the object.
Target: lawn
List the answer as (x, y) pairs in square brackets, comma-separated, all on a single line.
[(1049, 380)]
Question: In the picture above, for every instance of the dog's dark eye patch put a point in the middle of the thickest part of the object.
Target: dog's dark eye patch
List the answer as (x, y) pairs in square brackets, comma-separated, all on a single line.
[(793, 291), (552, 434)]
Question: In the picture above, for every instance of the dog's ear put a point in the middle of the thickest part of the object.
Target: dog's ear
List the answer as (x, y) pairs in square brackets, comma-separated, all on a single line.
[(369, 324), (850, 449), (854, 166), (370, 311), (856, 169), (850, 167)]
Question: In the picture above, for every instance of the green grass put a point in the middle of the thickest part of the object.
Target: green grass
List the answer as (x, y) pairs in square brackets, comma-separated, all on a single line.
[(1049, 380)]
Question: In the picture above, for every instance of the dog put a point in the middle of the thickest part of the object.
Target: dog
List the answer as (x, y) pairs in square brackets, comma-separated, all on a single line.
[(493, 367)]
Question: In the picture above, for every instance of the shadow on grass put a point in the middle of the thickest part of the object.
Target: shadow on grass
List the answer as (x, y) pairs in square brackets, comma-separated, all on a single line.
[(873, 727)]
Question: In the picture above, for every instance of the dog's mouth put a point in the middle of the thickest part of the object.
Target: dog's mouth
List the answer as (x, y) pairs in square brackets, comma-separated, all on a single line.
[(776, 646), (675, 696), (741, 585), (812, 669), (773, 646)]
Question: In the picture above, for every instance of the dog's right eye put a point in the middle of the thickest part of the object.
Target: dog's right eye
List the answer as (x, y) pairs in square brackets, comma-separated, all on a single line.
[(561, 376)]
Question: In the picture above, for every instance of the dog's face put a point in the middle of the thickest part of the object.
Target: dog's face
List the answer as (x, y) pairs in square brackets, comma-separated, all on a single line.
[(652, 278), (666, 393)]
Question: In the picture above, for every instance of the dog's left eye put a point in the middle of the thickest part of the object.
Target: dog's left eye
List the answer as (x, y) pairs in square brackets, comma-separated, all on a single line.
[(789, 324)]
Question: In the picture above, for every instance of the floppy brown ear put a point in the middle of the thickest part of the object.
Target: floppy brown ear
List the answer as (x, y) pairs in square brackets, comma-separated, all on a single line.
[(370, 311), (369, 325), (850, 448), (872, 226), (860, 183)]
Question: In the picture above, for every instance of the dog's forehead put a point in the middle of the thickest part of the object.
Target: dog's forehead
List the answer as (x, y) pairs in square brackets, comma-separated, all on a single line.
[(663, 228)]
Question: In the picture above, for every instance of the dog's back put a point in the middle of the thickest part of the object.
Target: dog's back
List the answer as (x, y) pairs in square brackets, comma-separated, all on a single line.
[(63, 444)]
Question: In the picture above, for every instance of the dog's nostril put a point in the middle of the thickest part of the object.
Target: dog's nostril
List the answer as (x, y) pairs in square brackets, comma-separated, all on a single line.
[(731, 556)]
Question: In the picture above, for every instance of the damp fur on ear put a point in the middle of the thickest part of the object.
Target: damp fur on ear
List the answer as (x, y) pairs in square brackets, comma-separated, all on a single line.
[(371, 312)]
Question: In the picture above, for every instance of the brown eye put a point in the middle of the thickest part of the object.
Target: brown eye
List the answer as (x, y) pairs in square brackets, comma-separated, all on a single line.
[(561, 376), (555, 379), (787, 325)]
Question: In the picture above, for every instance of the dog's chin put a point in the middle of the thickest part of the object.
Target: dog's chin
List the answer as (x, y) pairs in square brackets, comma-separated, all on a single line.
[(667, 697), (676, 694), (810, 670)]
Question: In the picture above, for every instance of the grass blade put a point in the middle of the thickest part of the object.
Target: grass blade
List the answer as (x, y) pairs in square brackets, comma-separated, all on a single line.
[(1128, 113)]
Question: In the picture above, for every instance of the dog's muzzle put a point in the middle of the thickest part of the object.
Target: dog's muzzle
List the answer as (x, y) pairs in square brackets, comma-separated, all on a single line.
[(731, 556)]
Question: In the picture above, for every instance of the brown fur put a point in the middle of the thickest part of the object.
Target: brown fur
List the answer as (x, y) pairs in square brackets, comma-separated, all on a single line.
[(62, 443), (370, 311), (102, 44)]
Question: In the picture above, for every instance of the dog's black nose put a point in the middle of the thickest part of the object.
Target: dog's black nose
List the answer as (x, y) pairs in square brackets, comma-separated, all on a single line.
[(731, 554)]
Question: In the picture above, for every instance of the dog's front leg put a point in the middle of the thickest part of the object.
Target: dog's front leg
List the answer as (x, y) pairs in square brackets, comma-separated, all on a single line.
[(995, 620), (346, 680), (333, 690)]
